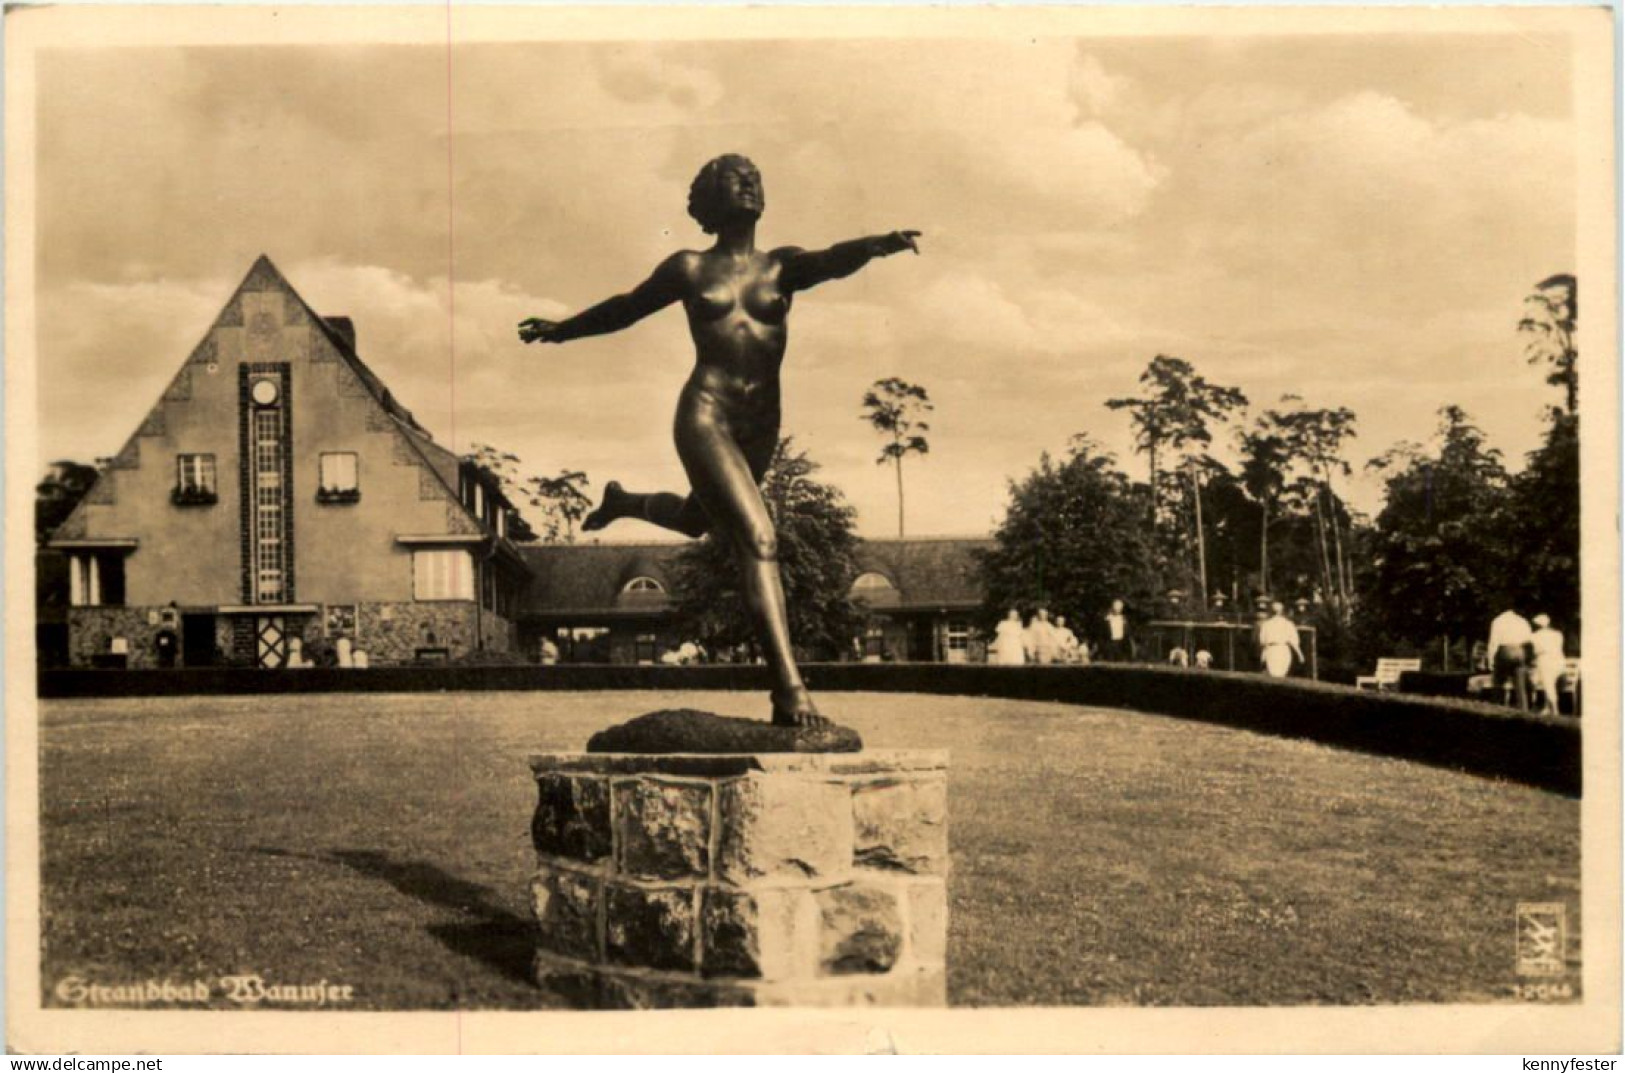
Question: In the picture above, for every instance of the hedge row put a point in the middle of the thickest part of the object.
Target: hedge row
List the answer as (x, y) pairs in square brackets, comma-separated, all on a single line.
[(1463, 735)]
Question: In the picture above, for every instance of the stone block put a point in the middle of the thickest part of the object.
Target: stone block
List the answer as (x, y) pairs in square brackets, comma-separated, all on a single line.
[(771, 933), (901, 824), (650, 928), (572, 817), (569, 983), (926, 987), (783, 827), (664, 828), (927, 920), (618, 991), (860, 929), (565, 905)]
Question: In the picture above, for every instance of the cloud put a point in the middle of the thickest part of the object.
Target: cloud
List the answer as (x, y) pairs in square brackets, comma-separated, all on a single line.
[(1354, 220), (639, 73)]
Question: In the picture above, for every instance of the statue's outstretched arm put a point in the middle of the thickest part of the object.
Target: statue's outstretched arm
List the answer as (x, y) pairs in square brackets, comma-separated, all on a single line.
[(809, 268), (657, 292)]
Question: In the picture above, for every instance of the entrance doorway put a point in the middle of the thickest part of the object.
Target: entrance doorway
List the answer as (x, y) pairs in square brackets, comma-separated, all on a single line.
[(270, 641), (197, 640)]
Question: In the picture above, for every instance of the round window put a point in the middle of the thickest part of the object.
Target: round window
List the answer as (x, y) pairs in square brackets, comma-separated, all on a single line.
[(265, 392)]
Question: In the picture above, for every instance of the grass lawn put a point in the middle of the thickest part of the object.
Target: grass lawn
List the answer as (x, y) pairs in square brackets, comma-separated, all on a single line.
[(1100, 857)]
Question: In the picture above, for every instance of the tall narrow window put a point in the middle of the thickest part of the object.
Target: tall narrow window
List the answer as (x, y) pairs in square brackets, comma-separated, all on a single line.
[(194, 480), (338, 481), (442, 575), (266, 443)]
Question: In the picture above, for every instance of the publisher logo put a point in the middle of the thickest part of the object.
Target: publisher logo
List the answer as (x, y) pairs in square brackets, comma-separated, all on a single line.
[(1540, 939)]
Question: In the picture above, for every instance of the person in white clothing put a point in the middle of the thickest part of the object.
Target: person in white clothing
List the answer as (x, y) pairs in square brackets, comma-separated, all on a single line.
[(1510, 640), (1117, 642), (1041, 643), (1009, 643), (1548, 645), (1066, 642), (1278, 642)]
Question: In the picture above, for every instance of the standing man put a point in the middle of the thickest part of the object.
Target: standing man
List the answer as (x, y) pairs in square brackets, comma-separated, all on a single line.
[(1278, 642), (1511, 642), (1547, 643), (1117, 650)]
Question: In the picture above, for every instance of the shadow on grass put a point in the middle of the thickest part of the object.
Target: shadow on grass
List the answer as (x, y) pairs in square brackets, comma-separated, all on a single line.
[(495, 936)]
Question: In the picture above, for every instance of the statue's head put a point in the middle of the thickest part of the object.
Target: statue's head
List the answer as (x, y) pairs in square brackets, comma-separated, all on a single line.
[(726, 185)]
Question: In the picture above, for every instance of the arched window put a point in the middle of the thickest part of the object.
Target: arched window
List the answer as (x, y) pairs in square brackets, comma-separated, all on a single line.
[(643, 584), (871, 581)]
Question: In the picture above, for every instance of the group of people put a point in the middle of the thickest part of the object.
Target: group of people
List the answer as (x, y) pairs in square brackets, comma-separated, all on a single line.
[(1524, 652), (1042, 640)]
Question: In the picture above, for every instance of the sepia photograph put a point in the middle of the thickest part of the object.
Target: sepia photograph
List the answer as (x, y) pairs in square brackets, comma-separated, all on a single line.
[(1161, 596)]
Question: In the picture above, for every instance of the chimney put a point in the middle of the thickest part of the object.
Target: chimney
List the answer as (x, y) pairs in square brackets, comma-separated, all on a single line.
[(344, 328)]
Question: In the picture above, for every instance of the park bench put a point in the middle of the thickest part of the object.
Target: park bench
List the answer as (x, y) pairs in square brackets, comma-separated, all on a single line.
[(1387, 674)]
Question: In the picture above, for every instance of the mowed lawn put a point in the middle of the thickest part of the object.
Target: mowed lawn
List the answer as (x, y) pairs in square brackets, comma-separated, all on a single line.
[(1100, 857)]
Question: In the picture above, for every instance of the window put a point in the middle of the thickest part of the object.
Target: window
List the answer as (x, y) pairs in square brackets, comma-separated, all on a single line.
[(194, 481), (338, 481), (268, 515), (958, 635), (96, 580), (871, 581), (643, 584), (442, 575), (644, 648)]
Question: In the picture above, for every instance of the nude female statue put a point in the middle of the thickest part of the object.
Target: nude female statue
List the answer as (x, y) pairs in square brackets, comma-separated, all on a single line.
[(738, 301)]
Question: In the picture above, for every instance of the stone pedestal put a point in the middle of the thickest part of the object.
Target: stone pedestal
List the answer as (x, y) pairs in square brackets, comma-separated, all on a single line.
[(769, 879)]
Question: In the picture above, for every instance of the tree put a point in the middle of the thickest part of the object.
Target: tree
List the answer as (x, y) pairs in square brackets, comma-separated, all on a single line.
[(1544, 508), (1551, 314), (64, 485), (561, 501), (817, 560), (1178, 407), (896, 409), (1543, 526), (1441, 565), (1265, 459), (1073, 539), (1314, 440)]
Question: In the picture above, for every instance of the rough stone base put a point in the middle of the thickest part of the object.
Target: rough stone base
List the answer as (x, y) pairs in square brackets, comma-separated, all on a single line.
[(685, 730), (741, 880)]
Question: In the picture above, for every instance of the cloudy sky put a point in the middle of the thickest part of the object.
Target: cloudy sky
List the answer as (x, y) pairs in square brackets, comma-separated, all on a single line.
[(1354, 219)]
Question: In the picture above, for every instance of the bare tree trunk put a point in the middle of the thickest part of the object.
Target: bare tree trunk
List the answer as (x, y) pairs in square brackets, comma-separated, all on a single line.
[(1264, 550), (1343, 586), (1153, 489), (1201, 540), (1325, 556), (899, 461)]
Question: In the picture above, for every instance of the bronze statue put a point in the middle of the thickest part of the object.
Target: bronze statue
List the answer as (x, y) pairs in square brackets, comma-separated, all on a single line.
[(738, 302)]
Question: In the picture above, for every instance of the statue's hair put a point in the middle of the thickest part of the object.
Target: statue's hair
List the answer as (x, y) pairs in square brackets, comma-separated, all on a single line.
[(704, 196)]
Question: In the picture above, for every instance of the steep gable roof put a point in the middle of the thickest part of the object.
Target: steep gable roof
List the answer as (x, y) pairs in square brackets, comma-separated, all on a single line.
[(263, 275)]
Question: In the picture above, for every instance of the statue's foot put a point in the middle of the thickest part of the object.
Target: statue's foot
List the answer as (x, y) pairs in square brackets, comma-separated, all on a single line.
[(613, 507), (796, 709)]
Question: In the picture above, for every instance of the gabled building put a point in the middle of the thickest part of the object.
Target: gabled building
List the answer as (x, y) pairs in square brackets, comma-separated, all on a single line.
[(612, 603), (922, 596), (278, 500)]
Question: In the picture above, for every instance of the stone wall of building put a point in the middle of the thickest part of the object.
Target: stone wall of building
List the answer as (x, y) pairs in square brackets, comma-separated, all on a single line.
[(772, 879), (91, 631)]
